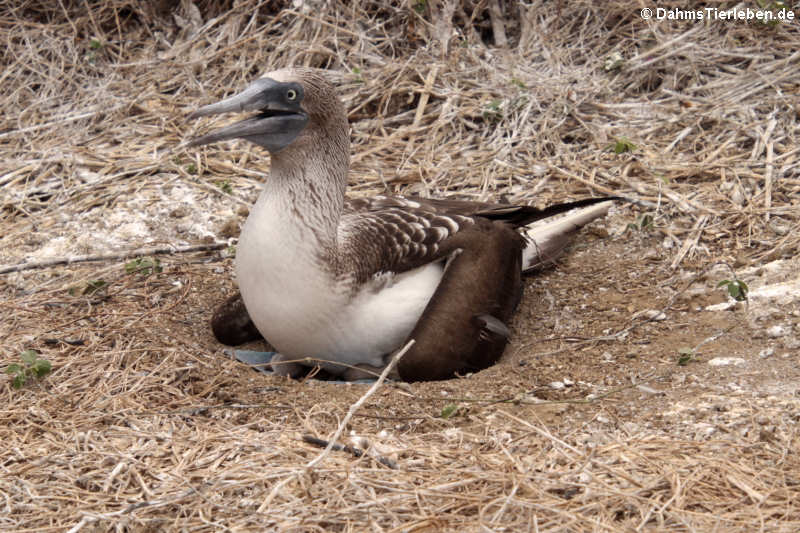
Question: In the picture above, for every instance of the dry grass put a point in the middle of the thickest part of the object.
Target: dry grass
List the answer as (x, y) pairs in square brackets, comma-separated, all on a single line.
[(145, 426)]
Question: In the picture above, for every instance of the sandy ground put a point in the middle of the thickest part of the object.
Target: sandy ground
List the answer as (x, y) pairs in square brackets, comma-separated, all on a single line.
[(587, 423), (593, 364)]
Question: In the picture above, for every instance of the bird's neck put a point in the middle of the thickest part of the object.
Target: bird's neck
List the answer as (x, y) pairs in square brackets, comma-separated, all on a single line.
[(307, 187)]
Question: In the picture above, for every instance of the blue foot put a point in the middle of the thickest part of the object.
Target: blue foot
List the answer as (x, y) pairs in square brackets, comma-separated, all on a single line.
[(260, 361)]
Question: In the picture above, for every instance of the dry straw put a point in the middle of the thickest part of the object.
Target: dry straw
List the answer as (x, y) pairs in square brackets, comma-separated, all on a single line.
[(144, 425)]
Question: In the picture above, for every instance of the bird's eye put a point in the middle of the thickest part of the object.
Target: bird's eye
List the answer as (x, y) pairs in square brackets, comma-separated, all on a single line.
[(291, 94)]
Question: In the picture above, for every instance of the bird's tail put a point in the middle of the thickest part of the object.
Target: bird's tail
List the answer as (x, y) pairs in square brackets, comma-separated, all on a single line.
[(548, 237)]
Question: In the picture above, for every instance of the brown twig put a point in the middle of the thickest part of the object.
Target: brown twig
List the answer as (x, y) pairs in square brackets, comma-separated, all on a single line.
[(139, 252)]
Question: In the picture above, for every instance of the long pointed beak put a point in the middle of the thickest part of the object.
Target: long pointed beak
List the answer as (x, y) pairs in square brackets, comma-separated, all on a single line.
[(254, 98), (276, 125)]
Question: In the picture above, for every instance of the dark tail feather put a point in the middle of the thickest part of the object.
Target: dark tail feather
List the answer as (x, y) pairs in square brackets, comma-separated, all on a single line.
[(523, 215)]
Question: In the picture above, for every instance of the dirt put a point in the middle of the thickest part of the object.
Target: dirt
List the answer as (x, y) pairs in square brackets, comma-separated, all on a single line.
[(610, 321), (592, 367), (585, 329)]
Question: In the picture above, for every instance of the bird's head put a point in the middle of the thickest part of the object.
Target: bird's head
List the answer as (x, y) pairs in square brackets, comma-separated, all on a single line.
[(292, 106)]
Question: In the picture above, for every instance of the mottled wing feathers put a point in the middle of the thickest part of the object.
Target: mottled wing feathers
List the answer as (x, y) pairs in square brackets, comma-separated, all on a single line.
[(397, 233), (516, 215), (383, 236)]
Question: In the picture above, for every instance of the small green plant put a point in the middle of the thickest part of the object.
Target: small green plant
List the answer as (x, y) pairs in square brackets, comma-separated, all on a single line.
[(231, 251), (644, 223), (613, 62), (357, 72), (143, 265), (493, 110), (622, 145), (519, 83), (419, 6), (191, 168), (225, 186), (736, 288), (774, 5), (32, 366), (685, 356), (91, 287), (95, 45), (449, 410)]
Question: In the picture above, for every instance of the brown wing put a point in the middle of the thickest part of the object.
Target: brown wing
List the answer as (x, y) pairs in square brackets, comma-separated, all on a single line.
[(383, 236), (516, 215), (462, 329), (399, 233)]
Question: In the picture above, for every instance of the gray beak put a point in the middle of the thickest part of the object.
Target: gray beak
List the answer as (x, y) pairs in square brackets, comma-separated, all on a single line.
[(279, 121)]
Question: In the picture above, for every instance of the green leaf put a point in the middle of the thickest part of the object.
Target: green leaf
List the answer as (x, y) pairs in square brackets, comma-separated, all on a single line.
[(94, 285), (735, 291), (623, 145), (686, 355), (738, 290), (28, 357), (14, 368), (145, 265), (42, 367), (19, 380), (643, 223), (449, 410), (132, 266), (225, 186)]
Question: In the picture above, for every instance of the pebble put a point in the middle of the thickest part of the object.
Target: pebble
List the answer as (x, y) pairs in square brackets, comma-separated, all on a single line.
[(766, 352), (654, 314), (724, 361), (776, 331), (557, 385)]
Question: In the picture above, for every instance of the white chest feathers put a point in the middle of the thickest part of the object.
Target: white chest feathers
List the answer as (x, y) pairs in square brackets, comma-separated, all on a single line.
[(303, 311)]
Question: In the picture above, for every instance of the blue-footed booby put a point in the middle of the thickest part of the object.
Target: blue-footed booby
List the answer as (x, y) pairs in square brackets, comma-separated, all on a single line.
[(346, 282)]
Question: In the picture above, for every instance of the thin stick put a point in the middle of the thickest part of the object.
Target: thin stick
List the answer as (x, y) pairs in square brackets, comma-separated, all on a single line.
[(356, 406), (768, 181), (498, 23), (346, 420), (690, 242), (112, 257), (594, 186), (61, 120), (322, 443)]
